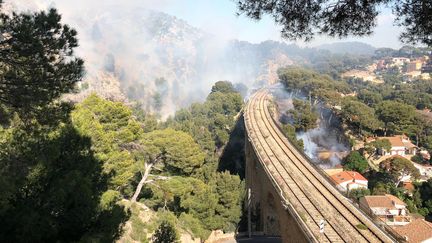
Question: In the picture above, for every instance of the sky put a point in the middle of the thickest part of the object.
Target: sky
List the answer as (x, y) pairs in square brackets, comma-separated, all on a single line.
[(219, 17)]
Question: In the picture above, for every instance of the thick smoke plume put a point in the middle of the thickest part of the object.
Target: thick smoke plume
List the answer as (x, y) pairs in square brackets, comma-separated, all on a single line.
[(158, 60), (324, 144)]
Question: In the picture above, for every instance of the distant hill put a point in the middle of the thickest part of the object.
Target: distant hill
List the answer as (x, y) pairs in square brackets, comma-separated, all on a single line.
[(136, 54), (159, 56), (358, 48)]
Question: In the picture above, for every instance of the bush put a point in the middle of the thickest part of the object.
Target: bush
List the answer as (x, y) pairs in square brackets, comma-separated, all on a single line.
[(166, 233), (356, 194), (417, 159)]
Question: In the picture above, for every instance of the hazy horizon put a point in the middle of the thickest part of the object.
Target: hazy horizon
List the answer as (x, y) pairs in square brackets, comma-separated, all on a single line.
[(219, 17)]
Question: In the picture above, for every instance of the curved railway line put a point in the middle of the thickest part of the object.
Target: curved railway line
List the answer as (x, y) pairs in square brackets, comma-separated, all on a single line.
[(301, 186)]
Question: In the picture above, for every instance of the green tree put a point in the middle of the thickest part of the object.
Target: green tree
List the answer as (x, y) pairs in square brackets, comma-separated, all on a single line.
[(290, 133), (111, 127), (398, 168), (317, 87), (175, 150), (303, 20), (395, 115), (51, 187), (303, 115), (51, 181), (421, 200), (377, 145), (380, 189), (426, 190), (229, 188), (165, 233), (157, 101), (212, 120), (359, 115), (370, 98), (355, 161), (356, 194), (223, 87), (37, 61)]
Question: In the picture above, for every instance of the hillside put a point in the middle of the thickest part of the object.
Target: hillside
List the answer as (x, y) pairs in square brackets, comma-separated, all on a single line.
[(354, 47), (163, 62)]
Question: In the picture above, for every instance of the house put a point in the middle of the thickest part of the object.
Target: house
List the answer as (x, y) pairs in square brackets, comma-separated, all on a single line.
[(415, 65), (417, 231), (424, 154), (425, 171), (381, 64), (399, 61), (348, 180), (400, 145), (387, 208)]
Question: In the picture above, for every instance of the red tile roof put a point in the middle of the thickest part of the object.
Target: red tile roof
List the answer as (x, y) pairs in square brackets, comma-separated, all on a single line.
[(395, 141), (398, 141), (345, 176), (383, 201), (418, 230), (395, 199)]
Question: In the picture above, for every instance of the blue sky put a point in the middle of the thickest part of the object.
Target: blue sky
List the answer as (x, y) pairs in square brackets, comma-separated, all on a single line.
[(219, 17)]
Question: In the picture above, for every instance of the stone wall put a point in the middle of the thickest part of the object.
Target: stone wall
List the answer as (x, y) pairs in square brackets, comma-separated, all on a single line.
[(268, 215)]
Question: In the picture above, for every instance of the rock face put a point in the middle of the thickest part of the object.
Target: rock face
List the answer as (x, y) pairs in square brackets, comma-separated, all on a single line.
[(159, 60), (163, 62)]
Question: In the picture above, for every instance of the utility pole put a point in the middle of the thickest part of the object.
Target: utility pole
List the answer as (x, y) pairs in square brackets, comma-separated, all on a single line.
[(249, 212)]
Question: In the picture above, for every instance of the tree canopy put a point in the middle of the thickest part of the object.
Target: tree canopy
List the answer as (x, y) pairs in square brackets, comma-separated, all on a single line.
[(395, 115), (37, 60), (111, 126), (355, 161), (54, 188), (305, 19), (165, 233), (398, 168), (303, 115), (359, 115)]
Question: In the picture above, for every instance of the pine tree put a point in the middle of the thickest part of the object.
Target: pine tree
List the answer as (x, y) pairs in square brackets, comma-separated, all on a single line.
[(165, 233)]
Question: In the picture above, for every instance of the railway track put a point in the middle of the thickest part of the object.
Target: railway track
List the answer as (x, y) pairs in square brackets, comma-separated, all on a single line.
[(301, 185)]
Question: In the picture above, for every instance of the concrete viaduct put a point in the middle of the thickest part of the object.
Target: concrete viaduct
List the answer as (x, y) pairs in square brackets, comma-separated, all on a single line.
[(288, 195)]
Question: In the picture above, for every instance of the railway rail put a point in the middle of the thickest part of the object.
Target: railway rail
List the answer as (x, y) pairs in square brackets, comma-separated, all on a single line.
[(301, 186)]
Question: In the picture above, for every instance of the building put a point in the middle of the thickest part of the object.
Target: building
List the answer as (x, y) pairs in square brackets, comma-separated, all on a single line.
[(348, 180), (425, 171), (427, 66), (387, 208), (413, 66), (399, 61), (400, 145), (381, 64), (424, 154), (417, 231)]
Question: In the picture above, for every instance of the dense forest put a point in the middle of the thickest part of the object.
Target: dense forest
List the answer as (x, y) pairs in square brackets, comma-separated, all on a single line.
[(101, 170), (80, 172), (368, 110)]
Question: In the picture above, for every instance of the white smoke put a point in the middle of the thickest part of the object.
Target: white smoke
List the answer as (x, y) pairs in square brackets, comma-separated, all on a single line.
[(323, 144), (132, 45)]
